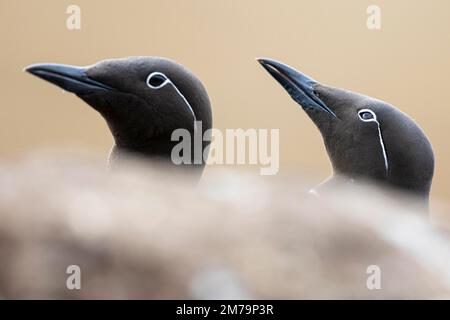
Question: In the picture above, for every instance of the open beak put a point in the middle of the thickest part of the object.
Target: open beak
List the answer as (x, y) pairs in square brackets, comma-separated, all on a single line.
[(299, 86), (71, 78)]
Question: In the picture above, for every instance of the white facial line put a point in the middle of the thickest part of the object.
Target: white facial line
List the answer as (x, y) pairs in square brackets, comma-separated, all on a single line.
[(187, 103), (176, 89), (380, 136), (386, 163)]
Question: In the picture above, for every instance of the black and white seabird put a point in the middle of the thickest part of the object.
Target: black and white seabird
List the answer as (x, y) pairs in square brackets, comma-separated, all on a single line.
[(142, 99), (364, 137)]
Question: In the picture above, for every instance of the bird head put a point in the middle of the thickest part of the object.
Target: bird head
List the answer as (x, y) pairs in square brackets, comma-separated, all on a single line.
[(364, 137), (143, 99)]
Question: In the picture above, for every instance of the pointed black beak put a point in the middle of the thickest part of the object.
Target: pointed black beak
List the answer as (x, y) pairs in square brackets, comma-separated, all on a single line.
[(299, 86), (71, 78)]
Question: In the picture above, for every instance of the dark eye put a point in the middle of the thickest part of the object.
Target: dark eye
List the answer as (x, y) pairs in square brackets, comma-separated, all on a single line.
[(156, 80), (366, 115)]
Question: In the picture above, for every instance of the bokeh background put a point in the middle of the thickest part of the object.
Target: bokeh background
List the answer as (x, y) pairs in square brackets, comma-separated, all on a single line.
[(405, 63)]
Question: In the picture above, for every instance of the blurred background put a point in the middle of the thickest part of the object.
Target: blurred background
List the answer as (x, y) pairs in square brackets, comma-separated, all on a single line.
[(405, 63)]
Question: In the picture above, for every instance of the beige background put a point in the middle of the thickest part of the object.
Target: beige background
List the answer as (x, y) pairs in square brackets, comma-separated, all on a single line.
[(405, 63)]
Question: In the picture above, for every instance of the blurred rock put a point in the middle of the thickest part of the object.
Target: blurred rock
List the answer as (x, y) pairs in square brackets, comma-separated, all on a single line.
[(142, 233)]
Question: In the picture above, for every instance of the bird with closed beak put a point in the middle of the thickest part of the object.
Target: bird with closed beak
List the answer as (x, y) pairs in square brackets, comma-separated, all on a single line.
[(143, 100), (365, 138)]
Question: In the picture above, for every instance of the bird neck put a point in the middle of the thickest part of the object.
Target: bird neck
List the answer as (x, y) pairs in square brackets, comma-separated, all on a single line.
[(158, 153), (417, 200), (154, 149)]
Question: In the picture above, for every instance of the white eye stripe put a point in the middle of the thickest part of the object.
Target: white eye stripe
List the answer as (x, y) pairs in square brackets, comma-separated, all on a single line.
[(380, 136), (165, 82), (188, 104)]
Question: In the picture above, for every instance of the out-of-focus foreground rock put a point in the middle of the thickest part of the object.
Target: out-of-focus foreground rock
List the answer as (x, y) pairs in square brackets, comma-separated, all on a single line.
[(139, 233)]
